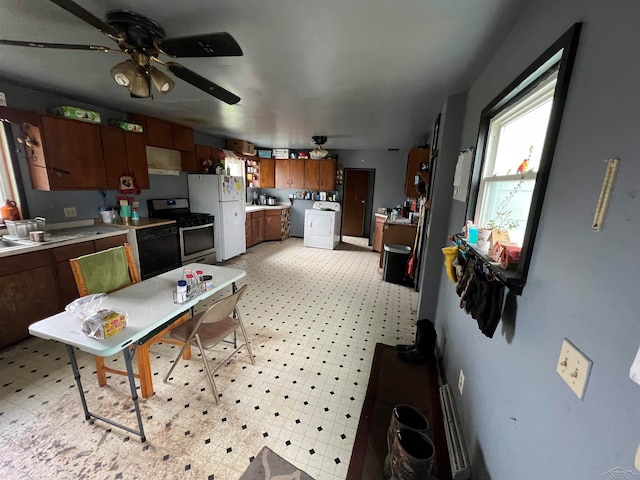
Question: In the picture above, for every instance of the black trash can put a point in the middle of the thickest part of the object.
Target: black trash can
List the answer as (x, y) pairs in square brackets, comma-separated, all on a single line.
[(394, 265)]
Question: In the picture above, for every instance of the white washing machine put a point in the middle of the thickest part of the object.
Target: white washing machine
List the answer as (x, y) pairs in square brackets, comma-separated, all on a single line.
[(322, 225)]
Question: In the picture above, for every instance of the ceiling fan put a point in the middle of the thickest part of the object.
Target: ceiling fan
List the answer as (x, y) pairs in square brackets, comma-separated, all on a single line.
[(144, 40)]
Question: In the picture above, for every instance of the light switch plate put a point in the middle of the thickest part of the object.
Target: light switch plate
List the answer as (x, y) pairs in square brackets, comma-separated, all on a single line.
[(70, 212), (574, 368)]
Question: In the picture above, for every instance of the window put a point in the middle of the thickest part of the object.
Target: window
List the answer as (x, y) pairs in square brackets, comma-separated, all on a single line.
[(8, 185), (516, 142), (514, 146)]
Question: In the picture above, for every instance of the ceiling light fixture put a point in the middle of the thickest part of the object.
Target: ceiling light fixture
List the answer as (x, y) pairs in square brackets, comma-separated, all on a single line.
[(162, 82), (124, 73), (140, 86), (318, 152)]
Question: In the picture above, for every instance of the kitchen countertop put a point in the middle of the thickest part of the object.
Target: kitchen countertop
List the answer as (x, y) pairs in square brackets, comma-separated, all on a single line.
[(71, 235), (141, 223), (257, 208)]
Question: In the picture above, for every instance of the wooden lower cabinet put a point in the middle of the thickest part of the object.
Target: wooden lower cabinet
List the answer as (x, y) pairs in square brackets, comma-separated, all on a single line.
[(37, 285), (397, 234), (377, 235), (270, 224), (28, 292)]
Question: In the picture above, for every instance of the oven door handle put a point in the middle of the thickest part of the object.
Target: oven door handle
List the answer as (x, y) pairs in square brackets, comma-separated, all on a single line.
[(197, 227)]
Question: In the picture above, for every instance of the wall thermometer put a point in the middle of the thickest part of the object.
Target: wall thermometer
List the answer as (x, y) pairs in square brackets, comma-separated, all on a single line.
[(605, 193)]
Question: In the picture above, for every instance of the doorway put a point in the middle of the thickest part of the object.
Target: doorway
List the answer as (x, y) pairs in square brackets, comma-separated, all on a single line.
[(358, 202)]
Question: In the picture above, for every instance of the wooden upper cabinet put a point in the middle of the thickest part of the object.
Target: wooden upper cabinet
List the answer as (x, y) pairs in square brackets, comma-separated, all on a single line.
[(159, 133), (289, 173), (296, 173), (312, 174), (327, 175), (182, 137), (267, 173), (124, 154), (416, 157), (320, 175), (137, 158), (282, 173), (73, 154), (164, 134), (115, 155)]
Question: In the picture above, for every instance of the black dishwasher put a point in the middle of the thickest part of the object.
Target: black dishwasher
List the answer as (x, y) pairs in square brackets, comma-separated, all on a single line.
[(158, 250)]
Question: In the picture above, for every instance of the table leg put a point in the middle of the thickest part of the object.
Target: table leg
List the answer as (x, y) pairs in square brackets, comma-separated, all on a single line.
[(144, 370), (128, 358), (102, 375), (76, 375)]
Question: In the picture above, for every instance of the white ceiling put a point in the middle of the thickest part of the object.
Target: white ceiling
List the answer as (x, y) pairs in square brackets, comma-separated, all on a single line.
[(368, 74)]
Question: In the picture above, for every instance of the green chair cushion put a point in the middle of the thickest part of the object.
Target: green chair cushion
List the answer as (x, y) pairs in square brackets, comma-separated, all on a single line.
[(105, 271)]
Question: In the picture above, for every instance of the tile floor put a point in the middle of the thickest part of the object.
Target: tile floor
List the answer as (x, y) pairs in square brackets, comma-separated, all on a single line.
[(313, 318)]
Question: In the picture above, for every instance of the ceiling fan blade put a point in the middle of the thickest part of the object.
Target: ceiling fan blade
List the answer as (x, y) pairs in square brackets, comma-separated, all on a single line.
[(220, 44), (88, 17), (202, 83), (62, 46)]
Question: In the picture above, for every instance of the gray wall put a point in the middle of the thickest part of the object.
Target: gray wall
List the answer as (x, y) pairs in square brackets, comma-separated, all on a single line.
[(437, 219), (520, 420), (51, 204), (390, 171)]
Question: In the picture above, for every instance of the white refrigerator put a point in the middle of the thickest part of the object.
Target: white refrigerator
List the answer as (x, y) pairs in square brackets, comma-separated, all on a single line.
[(223, 197)]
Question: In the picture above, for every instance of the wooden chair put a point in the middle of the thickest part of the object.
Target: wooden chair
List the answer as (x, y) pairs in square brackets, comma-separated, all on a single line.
[(210, 328), (107, 271)]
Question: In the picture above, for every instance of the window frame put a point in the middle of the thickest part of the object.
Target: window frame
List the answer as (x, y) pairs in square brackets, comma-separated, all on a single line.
[(561, 53)]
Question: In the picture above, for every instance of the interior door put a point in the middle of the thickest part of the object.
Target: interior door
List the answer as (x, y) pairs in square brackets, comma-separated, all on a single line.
[(355, 199)]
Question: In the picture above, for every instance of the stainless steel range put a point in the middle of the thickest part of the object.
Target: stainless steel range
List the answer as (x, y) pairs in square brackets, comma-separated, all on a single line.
[(195, 230)]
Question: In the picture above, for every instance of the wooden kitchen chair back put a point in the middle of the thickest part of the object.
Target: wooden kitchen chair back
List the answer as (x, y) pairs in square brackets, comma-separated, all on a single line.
[(208, 329), (107, 271)]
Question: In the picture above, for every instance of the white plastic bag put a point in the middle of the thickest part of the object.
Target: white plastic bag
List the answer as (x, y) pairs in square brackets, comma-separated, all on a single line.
[(84, 307)]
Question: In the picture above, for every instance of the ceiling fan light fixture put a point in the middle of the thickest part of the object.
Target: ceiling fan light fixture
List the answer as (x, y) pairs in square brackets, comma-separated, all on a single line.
[(124, 73), (161, 81), (140, 86)]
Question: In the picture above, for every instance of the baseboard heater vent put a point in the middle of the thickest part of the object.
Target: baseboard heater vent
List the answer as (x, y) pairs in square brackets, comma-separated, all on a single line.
[(458, 458)]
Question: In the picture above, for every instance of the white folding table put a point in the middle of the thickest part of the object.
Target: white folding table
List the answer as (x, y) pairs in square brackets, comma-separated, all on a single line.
[(150, 309)]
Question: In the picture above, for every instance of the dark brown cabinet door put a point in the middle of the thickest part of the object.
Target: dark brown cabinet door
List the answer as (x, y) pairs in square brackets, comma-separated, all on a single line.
[(415, 158), (267, 173), (137, 158), (248, 237), (312, 174), (28, 292), (282, 174), (114, 151), (159, 133), (296, 173), (273, 225), (257, 227), (327, 175), (109, 242), (73, 152), (124, 154), (182, 137)]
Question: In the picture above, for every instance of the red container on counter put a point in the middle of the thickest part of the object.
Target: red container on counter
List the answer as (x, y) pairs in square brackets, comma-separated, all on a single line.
[(9, 211)]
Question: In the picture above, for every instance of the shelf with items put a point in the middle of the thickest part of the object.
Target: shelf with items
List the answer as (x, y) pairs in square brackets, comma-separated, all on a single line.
[(253, 172)]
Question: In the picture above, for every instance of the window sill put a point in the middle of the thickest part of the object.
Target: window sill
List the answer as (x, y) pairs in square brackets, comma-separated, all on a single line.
[(511, 279)]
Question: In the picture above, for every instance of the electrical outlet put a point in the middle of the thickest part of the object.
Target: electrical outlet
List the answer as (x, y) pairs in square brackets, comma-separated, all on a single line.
[(461, 382), (574, 368), (70, 212)]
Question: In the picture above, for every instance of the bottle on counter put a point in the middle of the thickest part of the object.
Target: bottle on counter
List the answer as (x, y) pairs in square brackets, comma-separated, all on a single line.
[(181, 291)]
